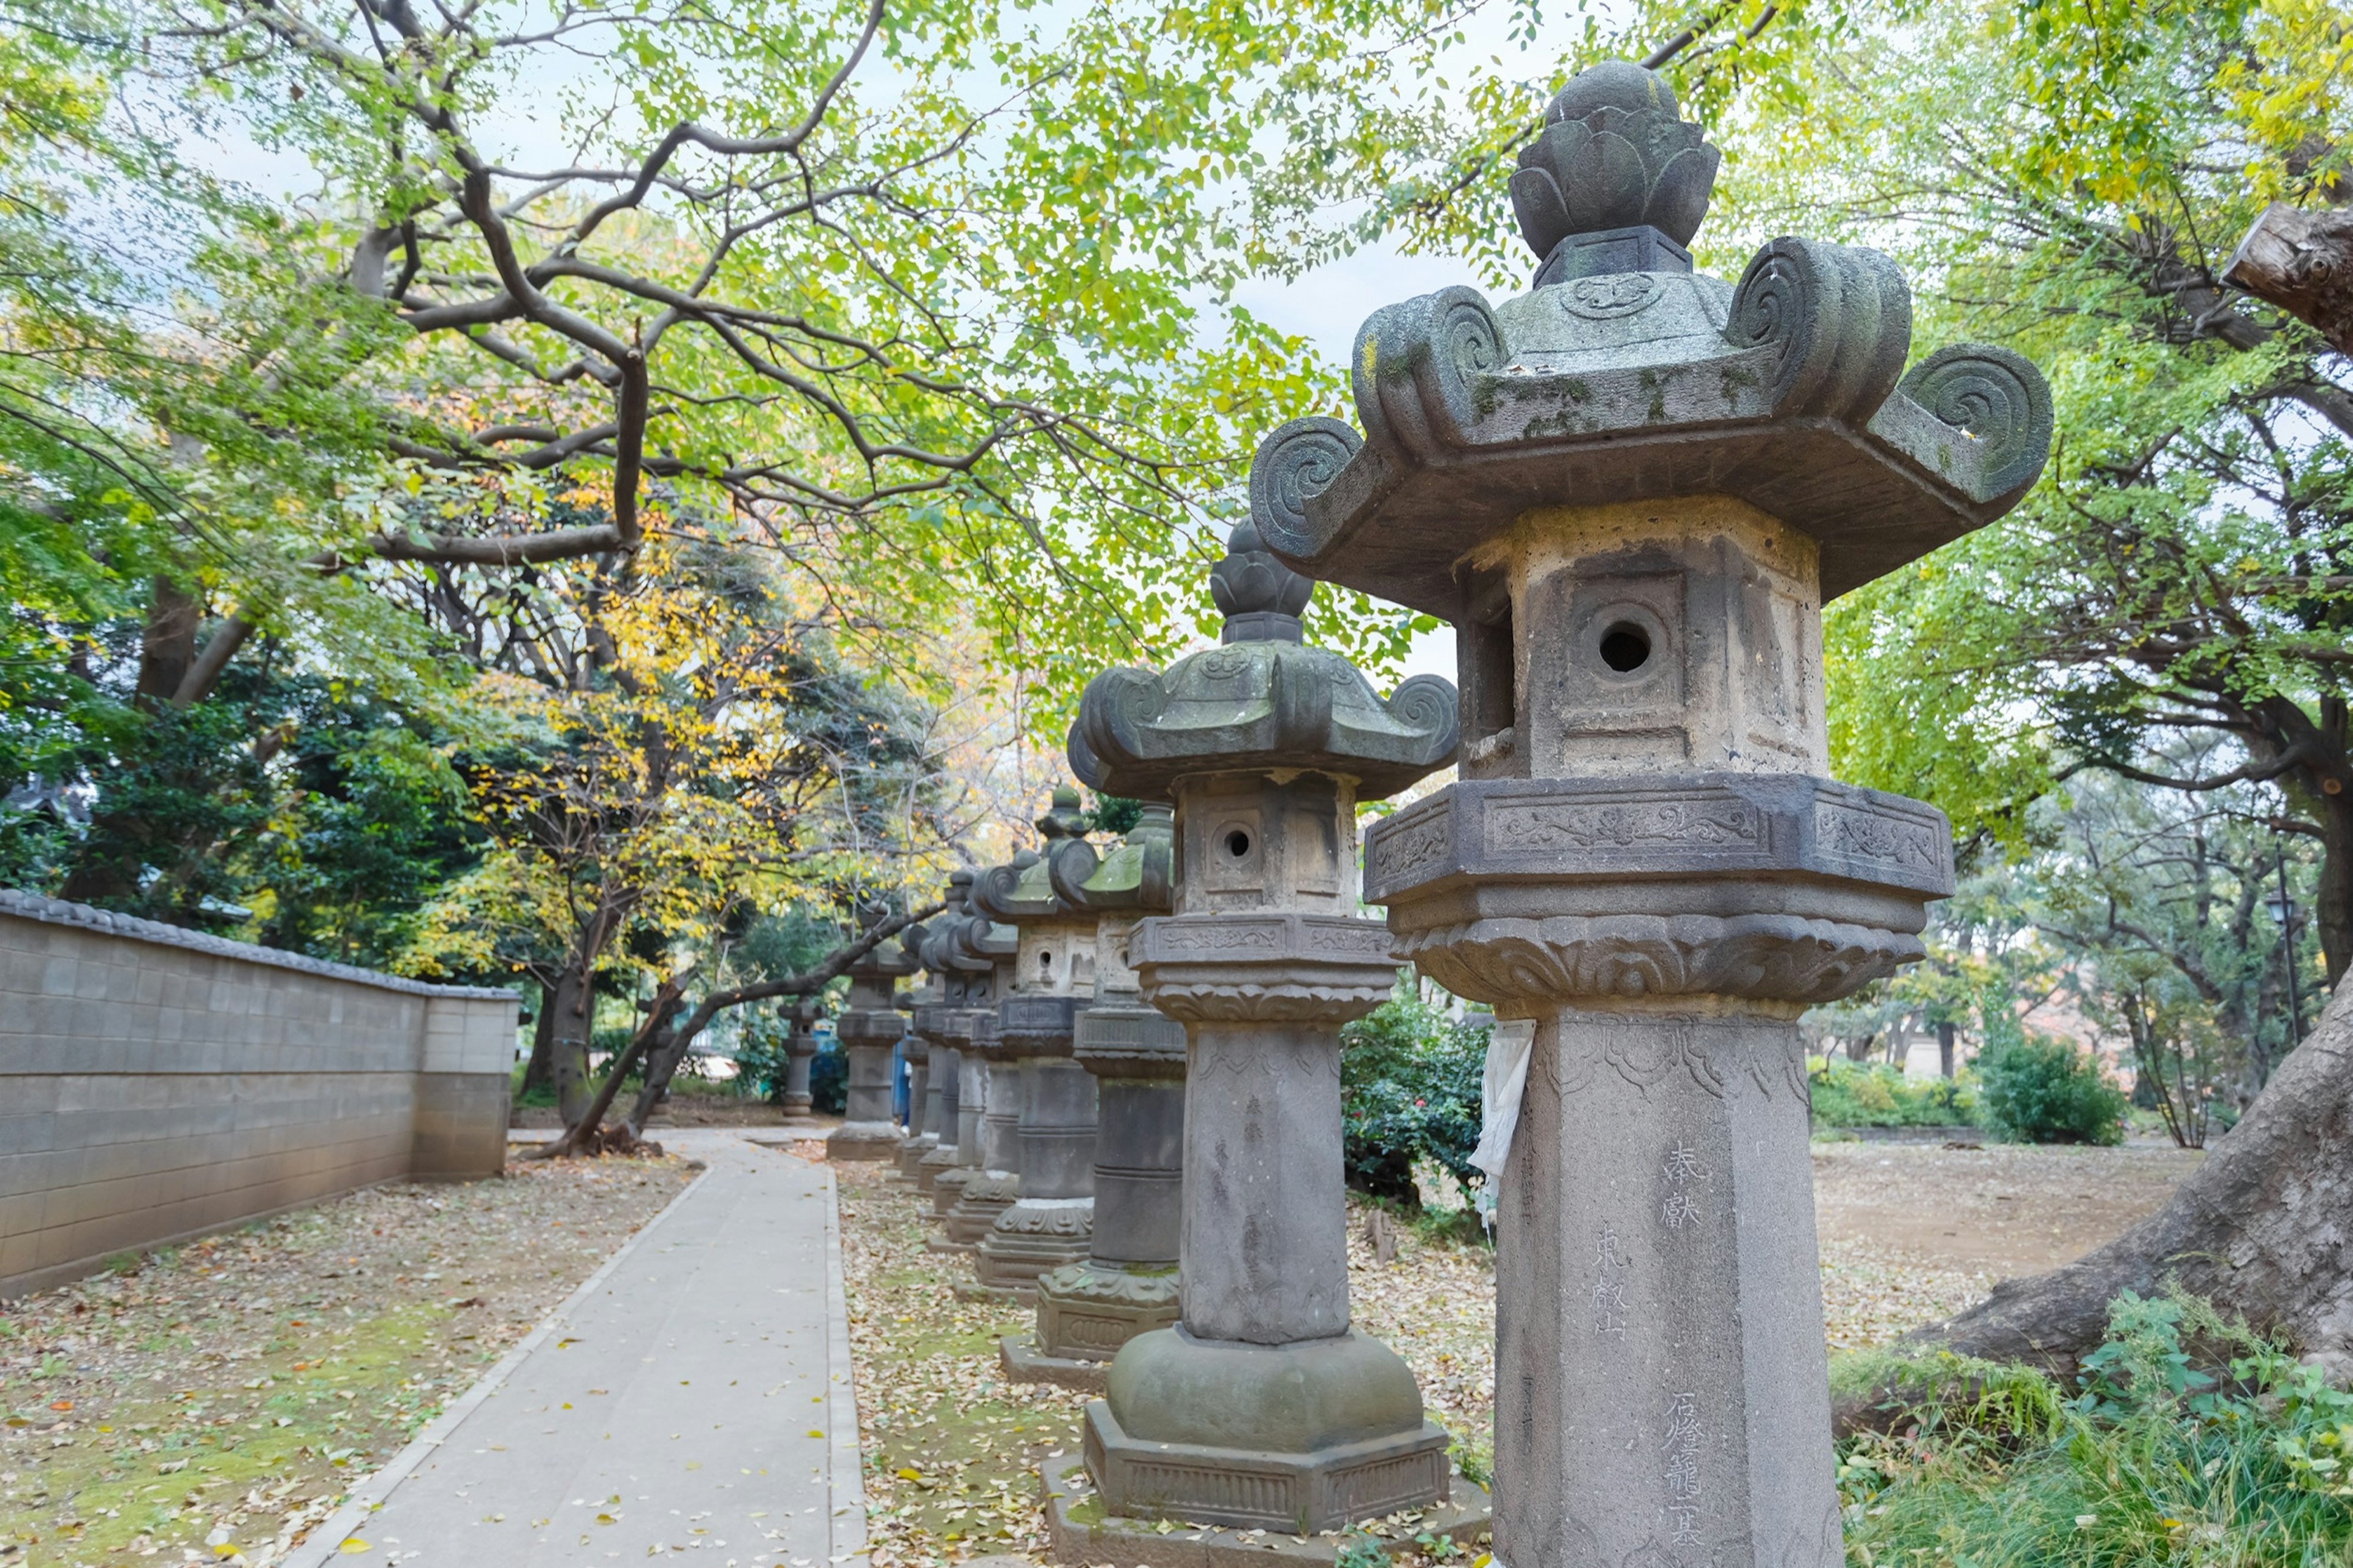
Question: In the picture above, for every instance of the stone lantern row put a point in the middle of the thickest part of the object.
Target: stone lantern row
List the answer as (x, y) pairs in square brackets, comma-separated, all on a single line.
[(1151, 1039), (1630, 489)]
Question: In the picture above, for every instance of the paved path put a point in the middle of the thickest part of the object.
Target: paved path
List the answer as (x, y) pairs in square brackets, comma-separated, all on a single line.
[(694, 1396)]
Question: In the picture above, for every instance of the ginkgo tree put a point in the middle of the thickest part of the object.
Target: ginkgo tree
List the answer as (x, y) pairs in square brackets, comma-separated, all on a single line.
[(661, 748)]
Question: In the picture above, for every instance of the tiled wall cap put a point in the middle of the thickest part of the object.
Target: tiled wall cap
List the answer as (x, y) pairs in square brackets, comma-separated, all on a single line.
[(57, 912)]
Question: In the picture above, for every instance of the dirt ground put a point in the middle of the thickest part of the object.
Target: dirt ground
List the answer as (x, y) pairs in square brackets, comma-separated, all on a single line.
[(1912, 1234), (2005, 1209), (217, 1401)]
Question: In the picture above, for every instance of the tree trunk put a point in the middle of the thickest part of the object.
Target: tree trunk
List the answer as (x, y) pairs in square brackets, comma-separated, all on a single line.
[(575, 1008), (167, 643), (2263, 1228), (2332, 893), (1945, 1062), (584, 1134), (662, 1065), (2303, 262)]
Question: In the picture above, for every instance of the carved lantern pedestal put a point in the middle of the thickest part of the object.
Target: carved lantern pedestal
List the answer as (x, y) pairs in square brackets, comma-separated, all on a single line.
[(1261, 1407), (868, 1028), (1641, 866), (800, 1050), (960, 1114), (1127, 1285), (1662, 1382), (1049, 1221)]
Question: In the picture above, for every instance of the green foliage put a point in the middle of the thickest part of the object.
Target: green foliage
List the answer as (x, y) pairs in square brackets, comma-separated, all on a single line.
[(2188, 1440), (290, 810), (967, 351), (1360, 1552), (2069, 179), (371, 819), (2042, 1089), (1111, 814), (1869, 1094), (761, 1062), (1411, 1083)]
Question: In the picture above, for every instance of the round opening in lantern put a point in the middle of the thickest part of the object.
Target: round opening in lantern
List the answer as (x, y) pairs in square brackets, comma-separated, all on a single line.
[(1237, 844), (1625, 648)]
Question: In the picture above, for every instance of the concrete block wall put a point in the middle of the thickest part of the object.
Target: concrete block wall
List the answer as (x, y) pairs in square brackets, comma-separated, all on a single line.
[(157, 1083)]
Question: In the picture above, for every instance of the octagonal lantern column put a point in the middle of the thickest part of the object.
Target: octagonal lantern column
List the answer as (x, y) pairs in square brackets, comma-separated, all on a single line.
[(966, 982), (1264, 1406), (800, 1050), (990, 1109), (923, 1096), (868, 1027), (1128, 1284), (1050, 1221), (1630, 489)]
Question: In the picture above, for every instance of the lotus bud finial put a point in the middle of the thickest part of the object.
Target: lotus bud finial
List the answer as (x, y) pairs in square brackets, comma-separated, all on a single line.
[(1614, 171)]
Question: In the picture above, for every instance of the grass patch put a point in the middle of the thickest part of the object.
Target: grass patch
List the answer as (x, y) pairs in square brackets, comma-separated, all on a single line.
[(161, 1469), (2188, 1440)]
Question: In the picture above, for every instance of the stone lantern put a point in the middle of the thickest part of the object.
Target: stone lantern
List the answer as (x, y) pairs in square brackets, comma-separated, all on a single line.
[(1262, 1406), (1128, 1283), (868, 1027), (988, 1111), (932, 1092), (800, 1050), (1050, 1221), (923, 1006), (941, 1171), (1630, 489)]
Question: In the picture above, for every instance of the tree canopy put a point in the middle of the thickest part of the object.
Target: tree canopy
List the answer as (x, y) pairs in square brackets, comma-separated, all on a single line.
[(555, 529)]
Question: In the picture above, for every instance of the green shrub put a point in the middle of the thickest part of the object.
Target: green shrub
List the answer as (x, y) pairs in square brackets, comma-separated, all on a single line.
[(1410, 1082), (761, 1061), (2186, 1440), (2045, 1090), (1861, 1094)]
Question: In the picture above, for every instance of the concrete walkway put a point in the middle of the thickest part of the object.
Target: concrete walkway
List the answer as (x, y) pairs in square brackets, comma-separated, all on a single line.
[(695, 1395)]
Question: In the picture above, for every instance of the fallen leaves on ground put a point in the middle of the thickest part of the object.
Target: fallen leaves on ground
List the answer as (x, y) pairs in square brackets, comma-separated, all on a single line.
[(1871, 1294), (951, 1445), (215, 1402)]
